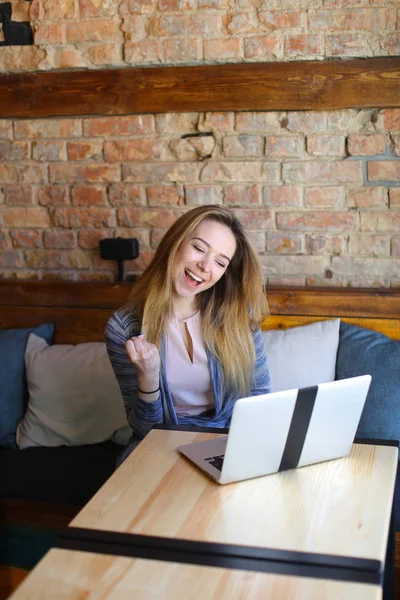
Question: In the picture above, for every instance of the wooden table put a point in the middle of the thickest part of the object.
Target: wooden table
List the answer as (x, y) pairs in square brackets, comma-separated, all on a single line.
[(328, 522), (75, 575)]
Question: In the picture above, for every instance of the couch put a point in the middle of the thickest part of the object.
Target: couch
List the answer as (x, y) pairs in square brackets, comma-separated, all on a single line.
[(51, 465)]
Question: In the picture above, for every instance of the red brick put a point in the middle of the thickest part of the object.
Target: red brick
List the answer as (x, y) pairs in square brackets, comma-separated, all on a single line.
[(317, 221), (106, 54), (142, 261), (256, 218), (66, 57), (18, 194), (369, 245), (167, 25), (87, 150), (283, 195), (182, 49), (347, 44), (142, 234), (222, 48), (83, 217), (368, 197), (47, 128), (396, 144), (98, 30), (396, 246), (156, 237), (13, 150), (6, 129), (145, 51), (219, 4), (323, 197), (25, 217), (5, 242), (236, 146), (11, 259), (201, 194), (364, 145), (58, 259), (325, 145), (221, 121), (243, 171), (55, 10), (139, 217), (8, 174), (94, 8), (169, 172), (391, 43), (27, 58), (258, 122), (89, 239), (176, 123), (284, 146), (31, 173), (129, 7), (121, 194), (90, 173), (59, 239), (88, 195), (391, 119), (49, 34), (27, 238), (239, 23), (165, 195), (205, 24), (380, 221), (394, 195), (129, 150), (323, 172), (304, 45), (280, 19), (243, 195), (384, 170), (307, 121), (48, 150), (324, 244), (53, 195), (284, 243), (107, 126), (345, 19)]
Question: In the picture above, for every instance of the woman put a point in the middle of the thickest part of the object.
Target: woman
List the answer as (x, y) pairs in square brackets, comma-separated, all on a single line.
[(189, 343)]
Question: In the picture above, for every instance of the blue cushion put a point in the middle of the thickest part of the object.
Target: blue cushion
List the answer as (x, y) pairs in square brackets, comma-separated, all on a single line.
[(363, 351), (13, 391)]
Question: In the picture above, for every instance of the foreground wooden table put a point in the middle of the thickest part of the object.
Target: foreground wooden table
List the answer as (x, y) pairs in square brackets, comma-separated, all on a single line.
[(75, 575), (321, 530)]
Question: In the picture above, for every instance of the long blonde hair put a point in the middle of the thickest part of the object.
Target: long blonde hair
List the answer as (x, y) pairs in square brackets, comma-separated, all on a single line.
[(231, 309)]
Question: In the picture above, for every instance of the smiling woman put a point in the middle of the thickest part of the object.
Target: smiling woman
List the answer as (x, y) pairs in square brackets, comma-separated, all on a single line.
[(189, 343)]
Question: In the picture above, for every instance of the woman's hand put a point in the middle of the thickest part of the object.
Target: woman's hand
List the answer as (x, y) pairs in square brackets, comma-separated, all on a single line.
[(146, 358)]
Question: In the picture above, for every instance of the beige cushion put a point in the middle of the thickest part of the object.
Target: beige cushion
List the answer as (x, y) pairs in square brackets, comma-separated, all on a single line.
[(74, 397), (302, 356)]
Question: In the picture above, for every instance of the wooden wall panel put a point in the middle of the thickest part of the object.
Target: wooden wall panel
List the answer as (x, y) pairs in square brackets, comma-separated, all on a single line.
[(302, 85)]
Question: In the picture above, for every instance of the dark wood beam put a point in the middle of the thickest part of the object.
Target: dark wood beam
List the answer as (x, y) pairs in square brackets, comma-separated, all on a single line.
[(306, 85)]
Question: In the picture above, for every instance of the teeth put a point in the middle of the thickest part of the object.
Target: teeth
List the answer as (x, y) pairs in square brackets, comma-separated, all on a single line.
[(193, 276)]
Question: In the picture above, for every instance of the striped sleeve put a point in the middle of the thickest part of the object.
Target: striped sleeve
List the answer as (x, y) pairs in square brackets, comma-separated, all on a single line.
[(261, 383), (141, 415)]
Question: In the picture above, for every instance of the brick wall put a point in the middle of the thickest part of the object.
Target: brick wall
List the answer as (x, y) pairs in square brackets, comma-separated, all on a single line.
[(318, 192)]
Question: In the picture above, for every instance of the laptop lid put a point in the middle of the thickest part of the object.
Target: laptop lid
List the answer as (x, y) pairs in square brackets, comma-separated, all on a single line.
[(293, 428)]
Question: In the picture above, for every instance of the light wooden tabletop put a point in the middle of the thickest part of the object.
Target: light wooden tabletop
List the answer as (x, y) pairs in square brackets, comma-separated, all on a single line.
[(340, 507), (73, 575)]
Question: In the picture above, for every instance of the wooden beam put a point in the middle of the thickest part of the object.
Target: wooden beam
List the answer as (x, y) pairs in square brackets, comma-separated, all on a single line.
[(307, 85)]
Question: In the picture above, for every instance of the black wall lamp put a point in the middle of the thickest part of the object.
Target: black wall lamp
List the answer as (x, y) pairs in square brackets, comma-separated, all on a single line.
[(119, 249)]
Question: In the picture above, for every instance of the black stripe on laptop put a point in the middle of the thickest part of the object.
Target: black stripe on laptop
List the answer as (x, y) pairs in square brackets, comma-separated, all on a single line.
[(298, 427), (225, 556)]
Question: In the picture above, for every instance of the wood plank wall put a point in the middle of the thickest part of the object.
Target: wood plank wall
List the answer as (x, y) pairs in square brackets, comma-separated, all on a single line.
[(302, 85)]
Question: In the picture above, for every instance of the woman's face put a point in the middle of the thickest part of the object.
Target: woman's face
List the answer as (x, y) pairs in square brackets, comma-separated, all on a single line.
[(202, 259)]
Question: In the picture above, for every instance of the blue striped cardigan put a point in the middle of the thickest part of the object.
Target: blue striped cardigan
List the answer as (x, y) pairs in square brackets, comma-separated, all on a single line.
[(143, 415)]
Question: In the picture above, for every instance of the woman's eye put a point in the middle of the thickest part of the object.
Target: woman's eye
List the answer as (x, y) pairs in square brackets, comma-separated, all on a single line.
[(220, 264), (198, 249)]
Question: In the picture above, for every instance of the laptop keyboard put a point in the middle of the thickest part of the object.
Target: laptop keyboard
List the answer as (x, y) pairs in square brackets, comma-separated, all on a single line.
[(216, 461)]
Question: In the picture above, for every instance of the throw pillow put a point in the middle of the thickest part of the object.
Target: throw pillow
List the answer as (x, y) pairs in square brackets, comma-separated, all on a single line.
[(363, 351), (302, 356), (13, 392), (74, 398)]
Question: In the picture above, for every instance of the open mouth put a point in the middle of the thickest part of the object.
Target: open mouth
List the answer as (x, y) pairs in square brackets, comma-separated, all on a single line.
[(192, 278)]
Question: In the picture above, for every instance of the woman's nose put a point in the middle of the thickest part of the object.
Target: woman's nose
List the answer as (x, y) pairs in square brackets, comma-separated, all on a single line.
[(205, 263)]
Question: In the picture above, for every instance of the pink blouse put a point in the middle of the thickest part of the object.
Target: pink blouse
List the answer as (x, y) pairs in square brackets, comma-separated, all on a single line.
[(189, 382)]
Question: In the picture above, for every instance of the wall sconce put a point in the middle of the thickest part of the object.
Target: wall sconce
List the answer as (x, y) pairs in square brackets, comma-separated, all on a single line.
[(119, 249)]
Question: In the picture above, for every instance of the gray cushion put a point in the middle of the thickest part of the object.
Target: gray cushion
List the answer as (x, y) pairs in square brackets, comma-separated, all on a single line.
[(363, 351)]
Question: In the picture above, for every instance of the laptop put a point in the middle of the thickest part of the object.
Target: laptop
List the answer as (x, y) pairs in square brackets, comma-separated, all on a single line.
[(284, 430)]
